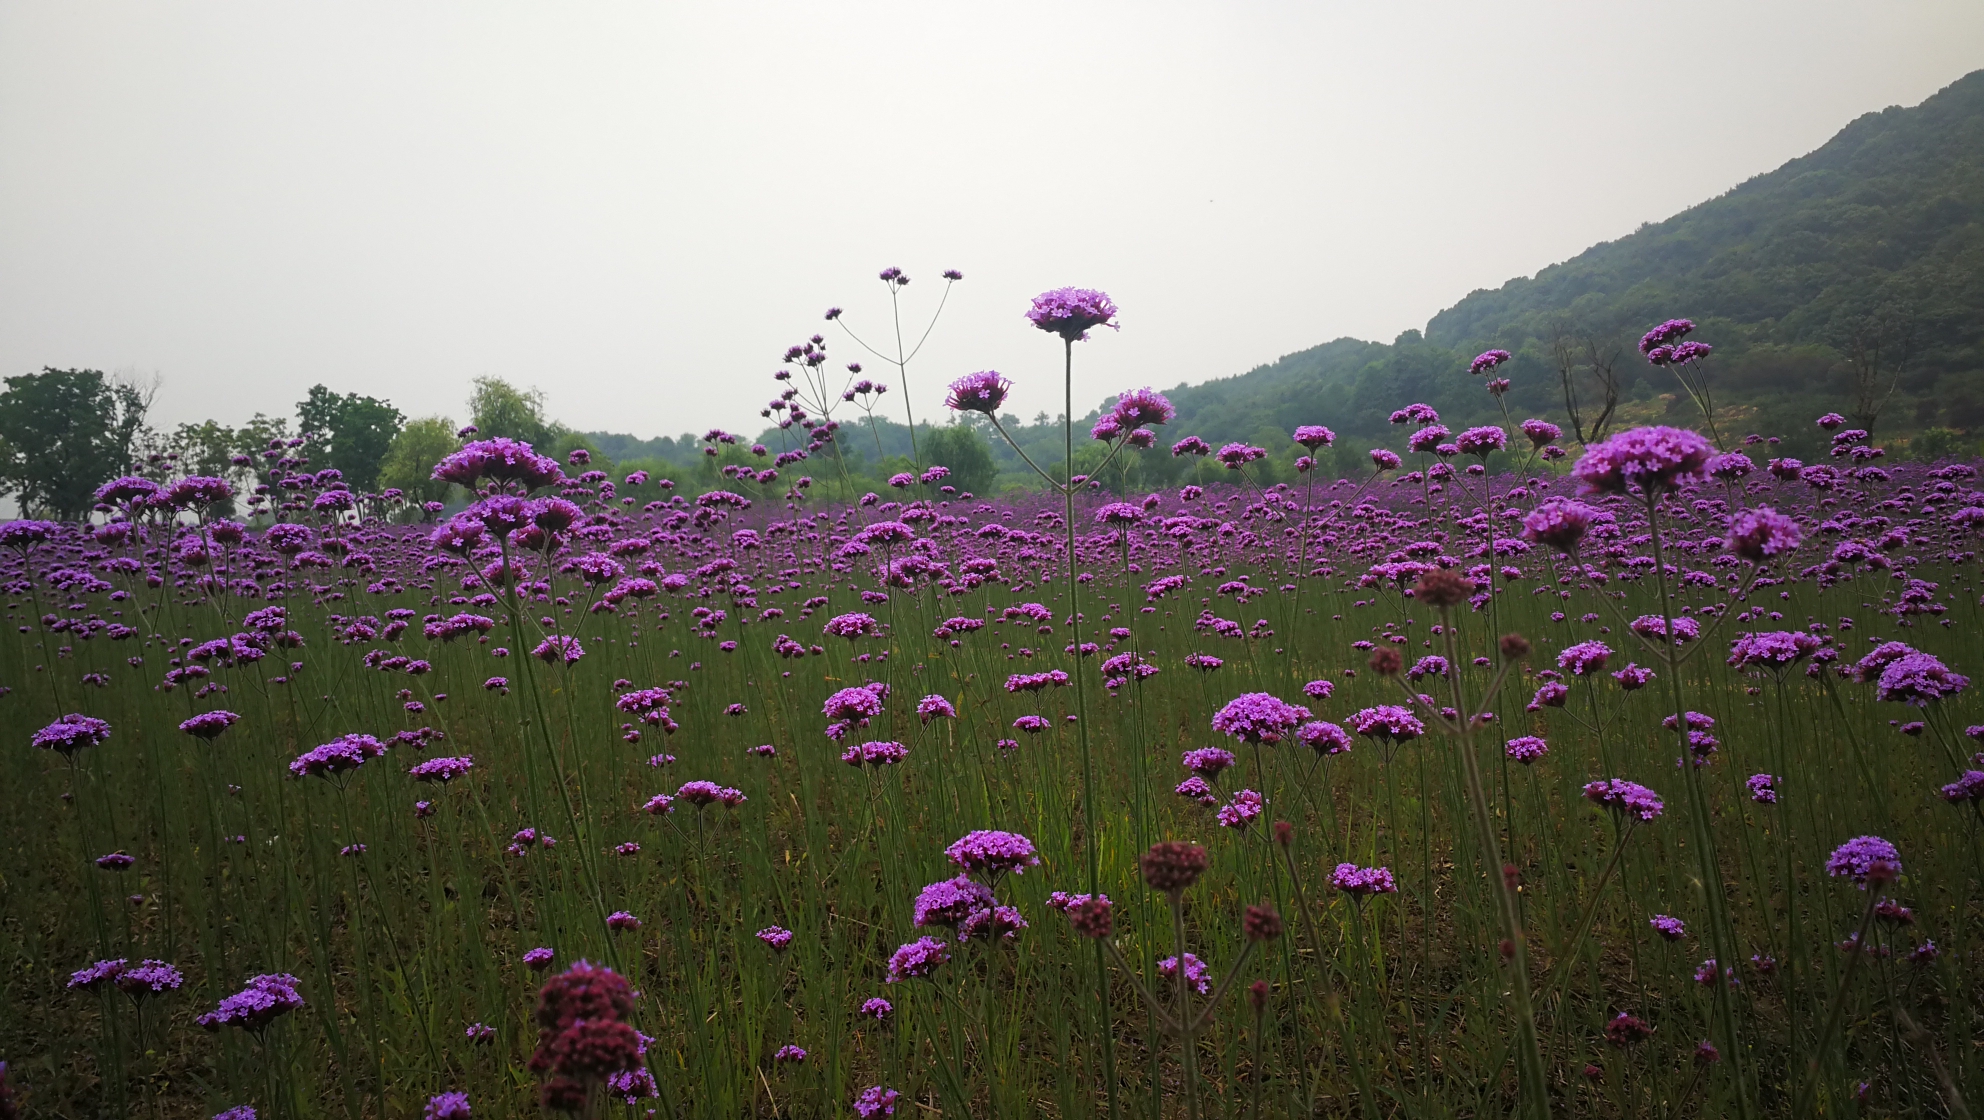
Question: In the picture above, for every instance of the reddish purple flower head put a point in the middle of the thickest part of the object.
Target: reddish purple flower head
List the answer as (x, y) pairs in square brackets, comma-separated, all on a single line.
[(1258, 717), (1865, 858), (993, 853), (1653, 459), (1072, 312), (983, 391)]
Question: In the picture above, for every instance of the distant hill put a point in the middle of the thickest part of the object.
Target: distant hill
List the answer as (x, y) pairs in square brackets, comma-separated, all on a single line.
[(1878, 236)]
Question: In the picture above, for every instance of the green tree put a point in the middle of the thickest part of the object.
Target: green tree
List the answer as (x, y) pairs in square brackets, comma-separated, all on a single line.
[(352, 432), (963, 449), (409, 462), (498, 408), (63, 433)]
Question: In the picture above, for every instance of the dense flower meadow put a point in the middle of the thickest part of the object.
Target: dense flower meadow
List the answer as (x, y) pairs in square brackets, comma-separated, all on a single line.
[(1640, 779)]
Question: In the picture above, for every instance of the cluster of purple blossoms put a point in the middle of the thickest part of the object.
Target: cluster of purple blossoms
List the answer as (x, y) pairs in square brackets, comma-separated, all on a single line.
[(1633, 677), (1388, 722), (948, 902), (1487, 360), (256, 1005), (146, 978), (1654, 459), (1541, 432), (209, 725), (1665, 335), (776, 937), (339, 756), (1919, 679), (1865, 859), (1585, 658), (1207, 762), (1761, 534), (1072, 312), (1197, 976), (72, 733), (853, 704), (918, 959), (983, 391), (1258, 717), (446, 1106), (1559, 523), (1313, 436), (1527, 748), (702, 794), (1243, 810), (1362, 882), (1323, 737), (993, 853), (1624, 797), (1653, 626), (1969, 787), (995, 923), (1672, 929), (850, 626), (442, 769), (935, 707), (502, 460), (875, 1101), (559, 648), (1776, 650), (875, 754), (1482, 441), (1763, 788)]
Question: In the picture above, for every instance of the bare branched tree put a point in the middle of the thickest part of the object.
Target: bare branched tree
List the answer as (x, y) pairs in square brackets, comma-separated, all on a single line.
[(1877, 346), (1586, 366)]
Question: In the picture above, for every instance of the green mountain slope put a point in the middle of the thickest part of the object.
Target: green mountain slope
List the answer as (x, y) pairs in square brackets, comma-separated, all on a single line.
[(1877, 236)]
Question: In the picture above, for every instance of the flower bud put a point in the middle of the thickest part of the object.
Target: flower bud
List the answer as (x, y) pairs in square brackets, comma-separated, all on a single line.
[(1173, 865), (1261, 923), (1442, 587)]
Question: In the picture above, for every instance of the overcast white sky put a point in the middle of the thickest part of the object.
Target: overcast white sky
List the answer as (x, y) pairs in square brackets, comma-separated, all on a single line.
[(636, 207)]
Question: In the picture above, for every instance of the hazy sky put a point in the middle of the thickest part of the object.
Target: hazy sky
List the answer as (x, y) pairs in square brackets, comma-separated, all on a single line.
[(637, 207)]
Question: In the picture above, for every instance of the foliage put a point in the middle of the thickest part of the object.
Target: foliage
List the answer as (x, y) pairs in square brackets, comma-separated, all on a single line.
[(498, 408), (409, 462), (64, 432), (350, 433), (963, 449)]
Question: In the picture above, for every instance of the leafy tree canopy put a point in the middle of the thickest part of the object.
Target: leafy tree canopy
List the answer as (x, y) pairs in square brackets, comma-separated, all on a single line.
[(63, 433), (350, 432)]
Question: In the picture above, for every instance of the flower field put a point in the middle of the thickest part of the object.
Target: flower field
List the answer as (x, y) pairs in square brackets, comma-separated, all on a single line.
[(1504, 778)]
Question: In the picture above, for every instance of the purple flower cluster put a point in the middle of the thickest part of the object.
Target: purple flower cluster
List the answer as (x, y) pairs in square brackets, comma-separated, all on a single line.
[(337, 757), (1258, 717), (1864, 859), (992, 853), (1388, 722), (1072, 312), (1362, 882), (1624, 797), (442, 769), (1654, 460), (72, 733), (255, 1006)]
